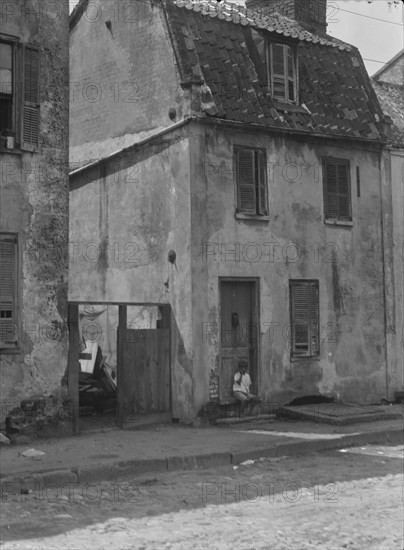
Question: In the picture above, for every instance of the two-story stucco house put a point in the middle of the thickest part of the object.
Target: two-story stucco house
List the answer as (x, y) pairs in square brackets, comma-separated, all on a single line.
[(34, 102), (227, 172)]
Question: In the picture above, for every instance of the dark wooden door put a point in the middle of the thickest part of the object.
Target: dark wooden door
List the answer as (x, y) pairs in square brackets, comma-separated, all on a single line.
[(239, 330), (146, 372)]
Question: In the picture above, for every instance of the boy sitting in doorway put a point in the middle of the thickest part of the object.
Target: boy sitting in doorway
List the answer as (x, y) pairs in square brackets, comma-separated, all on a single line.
[(241, 388)]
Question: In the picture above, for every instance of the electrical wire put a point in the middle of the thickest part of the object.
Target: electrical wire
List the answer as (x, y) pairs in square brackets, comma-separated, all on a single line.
[(374, 60), (370, 17)]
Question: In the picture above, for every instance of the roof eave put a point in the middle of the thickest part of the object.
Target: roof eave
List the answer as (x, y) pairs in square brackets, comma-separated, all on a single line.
[(77, 12), (289, 131)]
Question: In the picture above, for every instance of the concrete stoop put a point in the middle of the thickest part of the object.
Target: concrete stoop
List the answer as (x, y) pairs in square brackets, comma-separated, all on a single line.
[(25, 482), (340, 414)]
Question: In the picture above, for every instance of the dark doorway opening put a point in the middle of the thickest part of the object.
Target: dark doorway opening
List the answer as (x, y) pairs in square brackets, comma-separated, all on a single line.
[(119, 371), (239, 327)]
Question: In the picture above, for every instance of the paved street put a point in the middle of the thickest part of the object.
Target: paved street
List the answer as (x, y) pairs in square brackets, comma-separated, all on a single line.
[(325, 500)]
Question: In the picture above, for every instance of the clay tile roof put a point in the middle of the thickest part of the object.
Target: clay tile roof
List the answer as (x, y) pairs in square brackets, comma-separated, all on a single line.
[(238, 14), (333, 83)]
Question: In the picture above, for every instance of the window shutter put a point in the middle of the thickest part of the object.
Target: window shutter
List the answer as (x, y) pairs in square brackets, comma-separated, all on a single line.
[(291, 75), (262, 50), (246, 180), (314, 321), (331, 190), (262, 184), (344, 199), (278, 71), (337, 193), (30, 115), (7, 292), (304, 297), (300, 309)]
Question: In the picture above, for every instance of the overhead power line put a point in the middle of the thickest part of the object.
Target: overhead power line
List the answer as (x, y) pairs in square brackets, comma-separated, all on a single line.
[(374, 60), (370, 17)]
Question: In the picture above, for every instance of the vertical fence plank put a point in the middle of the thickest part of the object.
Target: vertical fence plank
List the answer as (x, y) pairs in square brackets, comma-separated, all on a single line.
[(121, 340)]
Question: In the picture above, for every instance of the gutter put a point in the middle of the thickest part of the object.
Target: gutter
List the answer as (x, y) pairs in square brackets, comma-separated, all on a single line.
[(292, 132), (134, 145), (76, 14)]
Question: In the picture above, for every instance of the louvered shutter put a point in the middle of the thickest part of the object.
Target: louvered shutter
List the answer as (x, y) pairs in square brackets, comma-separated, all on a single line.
[(262, 184), (304, 298), (262, 50), (331, 190), (7, 292), (300, 318), (314, 318), (278, 71), (246, 188), (291, 75), (337, 192), (344, 198), (30, 111)]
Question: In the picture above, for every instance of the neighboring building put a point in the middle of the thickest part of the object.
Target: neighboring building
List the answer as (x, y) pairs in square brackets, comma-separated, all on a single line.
[(388, 84), (249, 145), (393, 71), (34, 99)]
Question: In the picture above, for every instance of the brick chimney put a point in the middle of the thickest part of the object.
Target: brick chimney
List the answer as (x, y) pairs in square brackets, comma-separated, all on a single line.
[(311, 13)]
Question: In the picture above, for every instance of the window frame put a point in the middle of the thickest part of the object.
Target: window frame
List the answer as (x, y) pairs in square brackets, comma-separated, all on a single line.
[(313, 348), (11, 346), (21, 106), (340, 217), (271, 74), (260, 182), (13, 83)]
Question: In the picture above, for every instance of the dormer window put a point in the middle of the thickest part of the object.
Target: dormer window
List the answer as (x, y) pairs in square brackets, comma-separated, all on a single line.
[(282, 72), (276, 65)]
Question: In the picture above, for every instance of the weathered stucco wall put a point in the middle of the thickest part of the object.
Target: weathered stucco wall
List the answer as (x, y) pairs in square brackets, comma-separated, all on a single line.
[(397, 189), (125, 218), (34, 208), (117, 97), (352, 335)]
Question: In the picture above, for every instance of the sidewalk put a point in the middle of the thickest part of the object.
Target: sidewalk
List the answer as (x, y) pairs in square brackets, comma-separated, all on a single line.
[(92, 457)]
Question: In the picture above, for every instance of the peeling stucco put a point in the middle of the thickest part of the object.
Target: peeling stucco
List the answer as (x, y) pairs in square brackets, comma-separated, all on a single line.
[(34, 208)]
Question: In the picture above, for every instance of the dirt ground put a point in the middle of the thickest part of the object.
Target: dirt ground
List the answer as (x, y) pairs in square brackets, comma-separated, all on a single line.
[(324, 500)]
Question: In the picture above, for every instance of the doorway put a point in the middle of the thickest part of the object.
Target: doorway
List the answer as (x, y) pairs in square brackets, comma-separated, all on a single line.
[(239, 327), (125, 379)]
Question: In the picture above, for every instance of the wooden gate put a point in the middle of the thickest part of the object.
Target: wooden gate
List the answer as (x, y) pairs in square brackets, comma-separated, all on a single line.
[(146, 384)]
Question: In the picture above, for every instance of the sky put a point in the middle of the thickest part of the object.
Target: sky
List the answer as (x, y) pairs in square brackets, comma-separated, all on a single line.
[(378, 39)]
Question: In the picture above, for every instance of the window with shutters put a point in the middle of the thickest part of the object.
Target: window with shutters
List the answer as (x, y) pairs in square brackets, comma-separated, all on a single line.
[(277, 67), (19, 95), (251, 181), (282, 72), (8, 292), (304, 318), (337, 190)]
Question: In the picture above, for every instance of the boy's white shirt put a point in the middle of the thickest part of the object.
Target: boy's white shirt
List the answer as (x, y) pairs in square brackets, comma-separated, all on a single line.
[(244, 386)]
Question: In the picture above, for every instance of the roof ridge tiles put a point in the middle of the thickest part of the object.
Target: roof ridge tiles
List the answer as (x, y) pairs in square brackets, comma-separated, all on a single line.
[(240, 15)]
